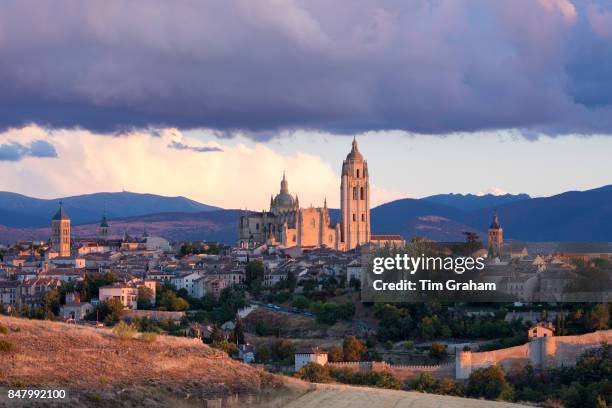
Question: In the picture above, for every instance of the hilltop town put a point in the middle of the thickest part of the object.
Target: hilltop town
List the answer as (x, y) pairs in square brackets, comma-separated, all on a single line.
[(286, 298)]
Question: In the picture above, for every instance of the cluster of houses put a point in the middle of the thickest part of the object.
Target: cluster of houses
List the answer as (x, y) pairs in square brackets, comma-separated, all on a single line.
[(544, 277), (29, 270)]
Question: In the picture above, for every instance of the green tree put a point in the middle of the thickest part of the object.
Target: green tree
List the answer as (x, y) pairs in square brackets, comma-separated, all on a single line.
[(239, 330), (254, 274), (489, 383), (110, 310), (145, 298), (262, 355), (50, 304), (599, 317)]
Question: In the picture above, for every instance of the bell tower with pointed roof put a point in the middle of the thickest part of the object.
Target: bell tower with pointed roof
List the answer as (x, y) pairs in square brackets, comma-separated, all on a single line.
[(355, 200), (60, 232), (495, 237), (103, 229)]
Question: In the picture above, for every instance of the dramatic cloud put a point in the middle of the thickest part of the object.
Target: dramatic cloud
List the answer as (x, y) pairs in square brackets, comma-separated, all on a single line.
[(14, 151), (235, 176), (259, 66)]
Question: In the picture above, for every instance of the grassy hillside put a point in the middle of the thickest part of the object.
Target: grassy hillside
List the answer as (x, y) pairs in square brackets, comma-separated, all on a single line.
[(95, 366)]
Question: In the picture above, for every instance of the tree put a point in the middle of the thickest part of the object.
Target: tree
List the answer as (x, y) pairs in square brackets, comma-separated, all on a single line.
[(254, 274), (314, 372), (262, 355), (300, 302), (438, 352), (50, 304), (599, 317), (239, 330), (489, 383), (110, 310), (425, 382), (353, 349), (145, 296), (335, 354)]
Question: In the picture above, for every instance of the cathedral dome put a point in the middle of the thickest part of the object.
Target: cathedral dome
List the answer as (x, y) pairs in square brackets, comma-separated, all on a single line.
[(284, 200)]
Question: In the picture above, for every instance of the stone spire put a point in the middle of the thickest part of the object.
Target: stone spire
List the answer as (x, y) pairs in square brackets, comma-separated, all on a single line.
[(284, 185)]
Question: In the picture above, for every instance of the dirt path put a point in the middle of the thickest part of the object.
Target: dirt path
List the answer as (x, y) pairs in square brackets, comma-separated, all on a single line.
[(344, 396)]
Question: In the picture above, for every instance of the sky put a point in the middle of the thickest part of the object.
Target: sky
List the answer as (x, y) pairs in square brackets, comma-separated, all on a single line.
[(214, 100)]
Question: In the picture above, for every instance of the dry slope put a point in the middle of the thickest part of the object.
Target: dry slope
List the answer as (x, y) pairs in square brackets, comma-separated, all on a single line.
[(94, 365)]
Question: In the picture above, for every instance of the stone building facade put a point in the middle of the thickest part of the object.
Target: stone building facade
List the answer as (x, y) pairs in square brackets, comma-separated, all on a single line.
[(288, 224)]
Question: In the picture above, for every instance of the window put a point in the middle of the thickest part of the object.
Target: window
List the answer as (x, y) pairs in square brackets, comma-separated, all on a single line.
[(357, 173), (355, 193), (362, 217), (257, 226), (362, 194), (354, 217)]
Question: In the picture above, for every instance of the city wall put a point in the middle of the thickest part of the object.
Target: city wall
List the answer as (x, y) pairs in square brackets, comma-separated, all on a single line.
[(541, 352), (401, 372)]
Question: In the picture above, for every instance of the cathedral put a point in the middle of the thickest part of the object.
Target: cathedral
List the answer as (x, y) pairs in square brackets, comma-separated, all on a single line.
[(289, 225)]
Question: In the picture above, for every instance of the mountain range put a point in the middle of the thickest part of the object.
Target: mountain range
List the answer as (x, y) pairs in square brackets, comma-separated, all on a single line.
[(570, 216)]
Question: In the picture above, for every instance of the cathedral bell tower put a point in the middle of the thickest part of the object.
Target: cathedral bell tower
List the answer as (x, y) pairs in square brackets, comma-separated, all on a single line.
[(495, 237), (60, 232), (355, 200)]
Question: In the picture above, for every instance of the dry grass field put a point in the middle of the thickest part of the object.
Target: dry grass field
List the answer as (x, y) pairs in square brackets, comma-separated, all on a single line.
[(94, 364), (98, 369)]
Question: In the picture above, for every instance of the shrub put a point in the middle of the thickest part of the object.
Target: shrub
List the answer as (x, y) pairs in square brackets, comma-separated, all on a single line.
[(228, 347), (148, 337), (124, 331), (94, 398), (489, 383), (3, 329), (314, 372), (6, 346)]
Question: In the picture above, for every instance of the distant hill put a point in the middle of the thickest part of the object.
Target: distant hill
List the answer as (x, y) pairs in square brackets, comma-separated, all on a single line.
[(19, 211), (470, 202), (572, 216)]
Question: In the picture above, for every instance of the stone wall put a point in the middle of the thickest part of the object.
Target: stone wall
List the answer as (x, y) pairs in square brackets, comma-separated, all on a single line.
[(541, 352), (401, 372)]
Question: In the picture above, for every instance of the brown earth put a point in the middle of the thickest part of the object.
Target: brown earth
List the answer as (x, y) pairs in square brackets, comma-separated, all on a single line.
[(93, 364)]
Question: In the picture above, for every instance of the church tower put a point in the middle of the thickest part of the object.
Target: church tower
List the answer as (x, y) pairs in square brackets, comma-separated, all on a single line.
[(103, 229), (60, 232), (495, 237), (355, 200)]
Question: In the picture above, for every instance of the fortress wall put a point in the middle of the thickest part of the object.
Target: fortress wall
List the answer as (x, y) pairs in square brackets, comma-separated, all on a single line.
[(541, 352), (569, 348), (401, 372)]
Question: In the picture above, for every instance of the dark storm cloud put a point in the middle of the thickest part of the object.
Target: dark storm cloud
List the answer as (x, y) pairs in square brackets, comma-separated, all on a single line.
[(346, 66), (16, 151), (198, 149)]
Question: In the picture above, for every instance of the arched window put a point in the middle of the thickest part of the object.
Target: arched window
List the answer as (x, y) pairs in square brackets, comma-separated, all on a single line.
[(354, 217), (362, 217), (357, 173), (355, 193), (362, 194)]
